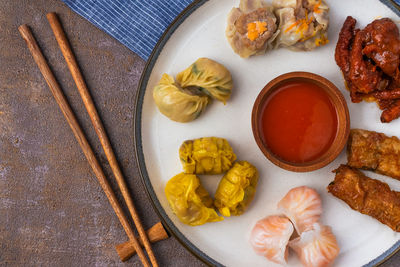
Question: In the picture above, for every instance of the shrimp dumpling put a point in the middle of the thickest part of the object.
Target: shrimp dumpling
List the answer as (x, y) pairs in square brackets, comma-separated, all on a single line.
[(317, 247), (251, 28), (270, 237), (302, 205)]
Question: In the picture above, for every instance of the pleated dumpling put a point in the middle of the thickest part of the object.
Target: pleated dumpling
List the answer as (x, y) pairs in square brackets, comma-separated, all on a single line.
[(270, 237), (177, 104), (190, 201), (251, 28), (302, 205), (207, 155), (303, 24), (208, 77), (236, 189), (317, 247)]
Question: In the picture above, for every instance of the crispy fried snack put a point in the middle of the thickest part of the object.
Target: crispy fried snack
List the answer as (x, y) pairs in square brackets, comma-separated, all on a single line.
[(391, 112), (374, 151), (366, 195), (369, 59), (342, 51)]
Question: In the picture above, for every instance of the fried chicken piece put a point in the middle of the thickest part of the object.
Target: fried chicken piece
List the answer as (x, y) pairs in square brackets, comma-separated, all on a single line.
[(363, 74), (366, 195), (342, 54), (388, 94), (384, 103), (374, 151), (383, 45), (369, 60), (342, 51), (392, 112)]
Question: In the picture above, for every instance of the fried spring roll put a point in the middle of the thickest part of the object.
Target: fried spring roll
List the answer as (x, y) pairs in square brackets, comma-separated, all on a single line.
[(367, 195), (374, 151)]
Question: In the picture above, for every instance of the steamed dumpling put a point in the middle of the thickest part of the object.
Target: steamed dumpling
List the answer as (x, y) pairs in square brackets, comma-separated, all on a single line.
[(302, 205), (207, 155), (303, 24), (284, 3), (317, 247), (190, 201), (270, 237), (236, 189), (208, 77), (177, 104), (251, 28)]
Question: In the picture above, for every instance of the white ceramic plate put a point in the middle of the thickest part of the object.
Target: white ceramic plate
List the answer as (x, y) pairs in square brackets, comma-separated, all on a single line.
[(200, 32)]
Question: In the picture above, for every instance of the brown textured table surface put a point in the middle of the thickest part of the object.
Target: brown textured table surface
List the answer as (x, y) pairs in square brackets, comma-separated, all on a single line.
[(52, 209)]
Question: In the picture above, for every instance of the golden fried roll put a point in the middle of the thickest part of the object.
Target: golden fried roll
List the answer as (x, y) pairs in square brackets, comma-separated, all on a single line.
[(207, 155), (367, 195), (374, 151)]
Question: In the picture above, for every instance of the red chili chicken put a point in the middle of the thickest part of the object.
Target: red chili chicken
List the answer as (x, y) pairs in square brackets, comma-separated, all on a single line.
[(369, 59)]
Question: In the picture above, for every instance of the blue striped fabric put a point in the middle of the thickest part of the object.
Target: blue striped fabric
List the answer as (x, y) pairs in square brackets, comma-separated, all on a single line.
[(138, 24)]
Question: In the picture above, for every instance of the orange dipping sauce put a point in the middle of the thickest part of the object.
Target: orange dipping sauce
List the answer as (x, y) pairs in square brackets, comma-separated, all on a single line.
[(299, 122)]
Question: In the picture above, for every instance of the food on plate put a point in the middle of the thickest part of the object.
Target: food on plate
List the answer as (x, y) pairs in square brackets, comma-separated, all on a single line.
[(190, 201), (177, 104), (366, 195), (303, 24), (270, 237), (206, 76), (369, 60), (251, 28), (374, 151), (236, 189), (207, 155), (316, 247), (302, 205), (299, 121), (185, 99)]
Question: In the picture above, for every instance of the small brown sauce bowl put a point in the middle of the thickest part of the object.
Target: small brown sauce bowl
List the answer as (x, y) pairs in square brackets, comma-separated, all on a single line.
[(338, 102)]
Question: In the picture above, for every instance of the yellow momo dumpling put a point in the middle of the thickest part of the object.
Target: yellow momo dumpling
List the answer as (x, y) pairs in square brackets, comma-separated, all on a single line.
[(236, 189), (209, 77), (175, 103), (207, 155), (190, 201)]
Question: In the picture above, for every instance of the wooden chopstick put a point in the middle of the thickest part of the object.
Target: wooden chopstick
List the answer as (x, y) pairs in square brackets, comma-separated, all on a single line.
[(98, 126), (155, 233), (79, 135)]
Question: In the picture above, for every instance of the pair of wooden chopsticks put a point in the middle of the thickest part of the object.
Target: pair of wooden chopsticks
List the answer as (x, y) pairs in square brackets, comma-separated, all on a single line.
[(87, 150)]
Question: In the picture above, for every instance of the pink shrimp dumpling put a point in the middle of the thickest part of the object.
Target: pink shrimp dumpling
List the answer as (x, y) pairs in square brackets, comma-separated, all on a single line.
[(270, 237), (317, 247), (302, 205)]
